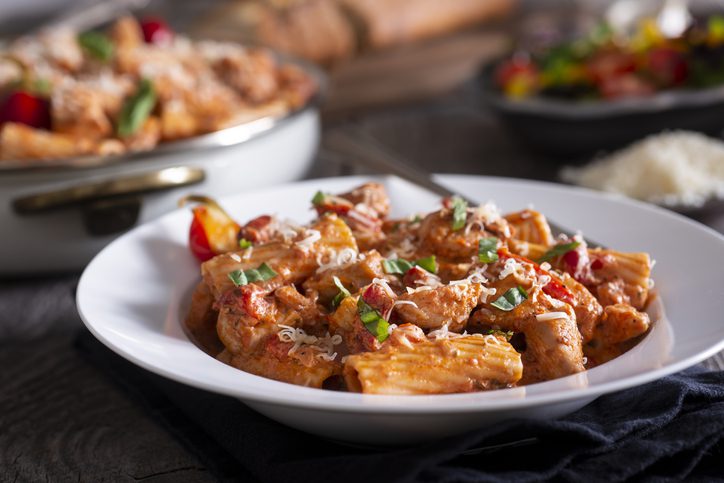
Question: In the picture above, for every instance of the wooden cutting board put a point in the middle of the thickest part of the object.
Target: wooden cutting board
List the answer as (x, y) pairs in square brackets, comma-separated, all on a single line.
[(410, 73)]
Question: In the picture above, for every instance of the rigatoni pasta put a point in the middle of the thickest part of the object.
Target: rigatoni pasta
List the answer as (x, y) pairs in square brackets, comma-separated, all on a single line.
[(458, 300)]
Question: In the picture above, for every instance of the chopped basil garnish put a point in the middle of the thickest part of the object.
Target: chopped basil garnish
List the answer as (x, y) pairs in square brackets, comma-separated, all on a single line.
[(488, 250), (238, 278), (244, 243), (318, 198), (507, 334), (460, 213), (416, 219), (263, 273), (343, 293), (136, 109), (96, 44), (397, 266), (558, 250), (400, 266), (372, 320), (428, 263), (510, 299)]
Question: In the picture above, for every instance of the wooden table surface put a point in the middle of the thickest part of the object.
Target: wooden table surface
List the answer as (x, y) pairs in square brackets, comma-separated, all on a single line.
[(61, 419)]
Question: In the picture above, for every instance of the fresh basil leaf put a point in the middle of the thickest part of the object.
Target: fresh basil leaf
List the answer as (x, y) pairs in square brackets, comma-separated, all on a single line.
[(343, 293), (238, 278), (372, 320), (510, 299), (488, 249), (318, 198), (96, 44), (263, 273), (400, 266), (557, 251), (136, 109), (428, 263), (460, 213), (244, 243), (397, 266)]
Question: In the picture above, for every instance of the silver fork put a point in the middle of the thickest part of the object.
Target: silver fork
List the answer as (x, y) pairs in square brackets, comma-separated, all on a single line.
[(367, 151)]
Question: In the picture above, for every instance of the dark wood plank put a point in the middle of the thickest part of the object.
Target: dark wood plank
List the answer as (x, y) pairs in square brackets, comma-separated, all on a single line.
[(62, 420)]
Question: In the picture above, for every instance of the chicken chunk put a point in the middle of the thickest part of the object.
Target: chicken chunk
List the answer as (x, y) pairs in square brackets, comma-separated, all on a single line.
[(446, 305), (353, 276)]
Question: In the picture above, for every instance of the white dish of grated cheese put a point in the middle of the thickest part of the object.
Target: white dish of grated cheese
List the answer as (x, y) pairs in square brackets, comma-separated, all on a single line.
[(140, 314), (680, 169)]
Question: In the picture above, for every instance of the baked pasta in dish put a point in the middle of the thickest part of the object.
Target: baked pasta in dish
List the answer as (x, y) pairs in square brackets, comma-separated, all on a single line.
[(461, 299), (67, 94)]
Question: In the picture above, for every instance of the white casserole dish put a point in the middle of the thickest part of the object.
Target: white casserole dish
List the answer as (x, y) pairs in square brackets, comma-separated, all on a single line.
[(56, 218)]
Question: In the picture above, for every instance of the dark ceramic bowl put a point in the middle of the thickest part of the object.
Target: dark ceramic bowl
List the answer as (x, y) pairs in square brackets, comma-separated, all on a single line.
[(576, 130)]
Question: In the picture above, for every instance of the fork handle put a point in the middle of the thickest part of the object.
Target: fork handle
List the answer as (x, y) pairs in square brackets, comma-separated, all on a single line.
[(370, 153)]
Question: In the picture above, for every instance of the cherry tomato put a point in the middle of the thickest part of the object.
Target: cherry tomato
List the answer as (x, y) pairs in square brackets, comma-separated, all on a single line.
[(608, 65), (25, 108), (628, 85), (156, 31), (198, 241), (517, 77), (668, 67), (212, 230)]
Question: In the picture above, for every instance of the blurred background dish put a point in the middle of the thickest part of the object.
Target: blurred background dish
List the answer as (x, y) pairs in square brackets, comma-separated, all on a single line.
[(81, 173), (632, 69)]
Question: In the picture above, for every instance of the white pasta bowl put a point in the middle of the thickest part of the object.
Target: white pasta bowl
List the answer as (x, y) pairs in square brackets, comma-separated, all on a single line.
[(134, 294)]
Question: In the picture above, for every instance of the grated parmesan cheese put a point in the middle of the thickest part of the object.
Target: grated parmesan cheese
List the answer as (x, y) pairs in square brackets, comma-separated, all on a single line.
[(385, 285), (672, 168), (311, 237), (510, 267), (475, 277), (551, 316), (302, 340), (337, 259), (486, 292)]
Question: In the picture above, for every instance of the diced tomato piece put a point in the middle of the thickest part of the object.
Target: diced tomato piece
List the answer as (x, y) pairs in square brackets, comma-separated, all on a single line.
[(378, 298), (156, 31), (627, 85), (608, 65), (257, 230), (554, 288), (667, 66), (25, 108), (572, 258)]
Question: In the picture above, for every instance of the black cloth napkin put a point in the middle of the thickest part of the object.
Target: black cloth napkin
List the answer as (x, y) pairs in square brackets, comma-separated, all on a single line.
[(667, 430)]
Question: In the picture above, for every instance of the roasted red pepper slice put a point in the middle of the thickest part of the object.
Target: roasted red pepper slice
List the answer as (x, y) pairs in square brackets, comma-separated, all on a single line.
[(156, 31), (26, 108), (554, 288), (212, 230)]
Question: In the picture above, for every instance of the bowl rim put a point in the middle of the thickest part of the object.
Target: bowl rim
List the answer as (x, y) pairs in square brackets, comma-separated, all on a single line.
[(282, 394)]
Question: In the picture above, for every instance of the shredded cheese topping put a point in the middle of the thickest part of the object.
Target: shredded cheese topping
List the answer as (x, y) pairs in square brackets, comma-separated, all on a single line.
[(311, 237), (385, 285), (336, 259), (551, 316), (301, 340)]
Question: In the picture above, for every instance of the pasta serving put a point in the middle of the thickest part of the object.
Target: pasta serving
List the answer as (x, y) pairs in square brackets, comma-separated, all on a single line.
[(461, 299), (66, 93)]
